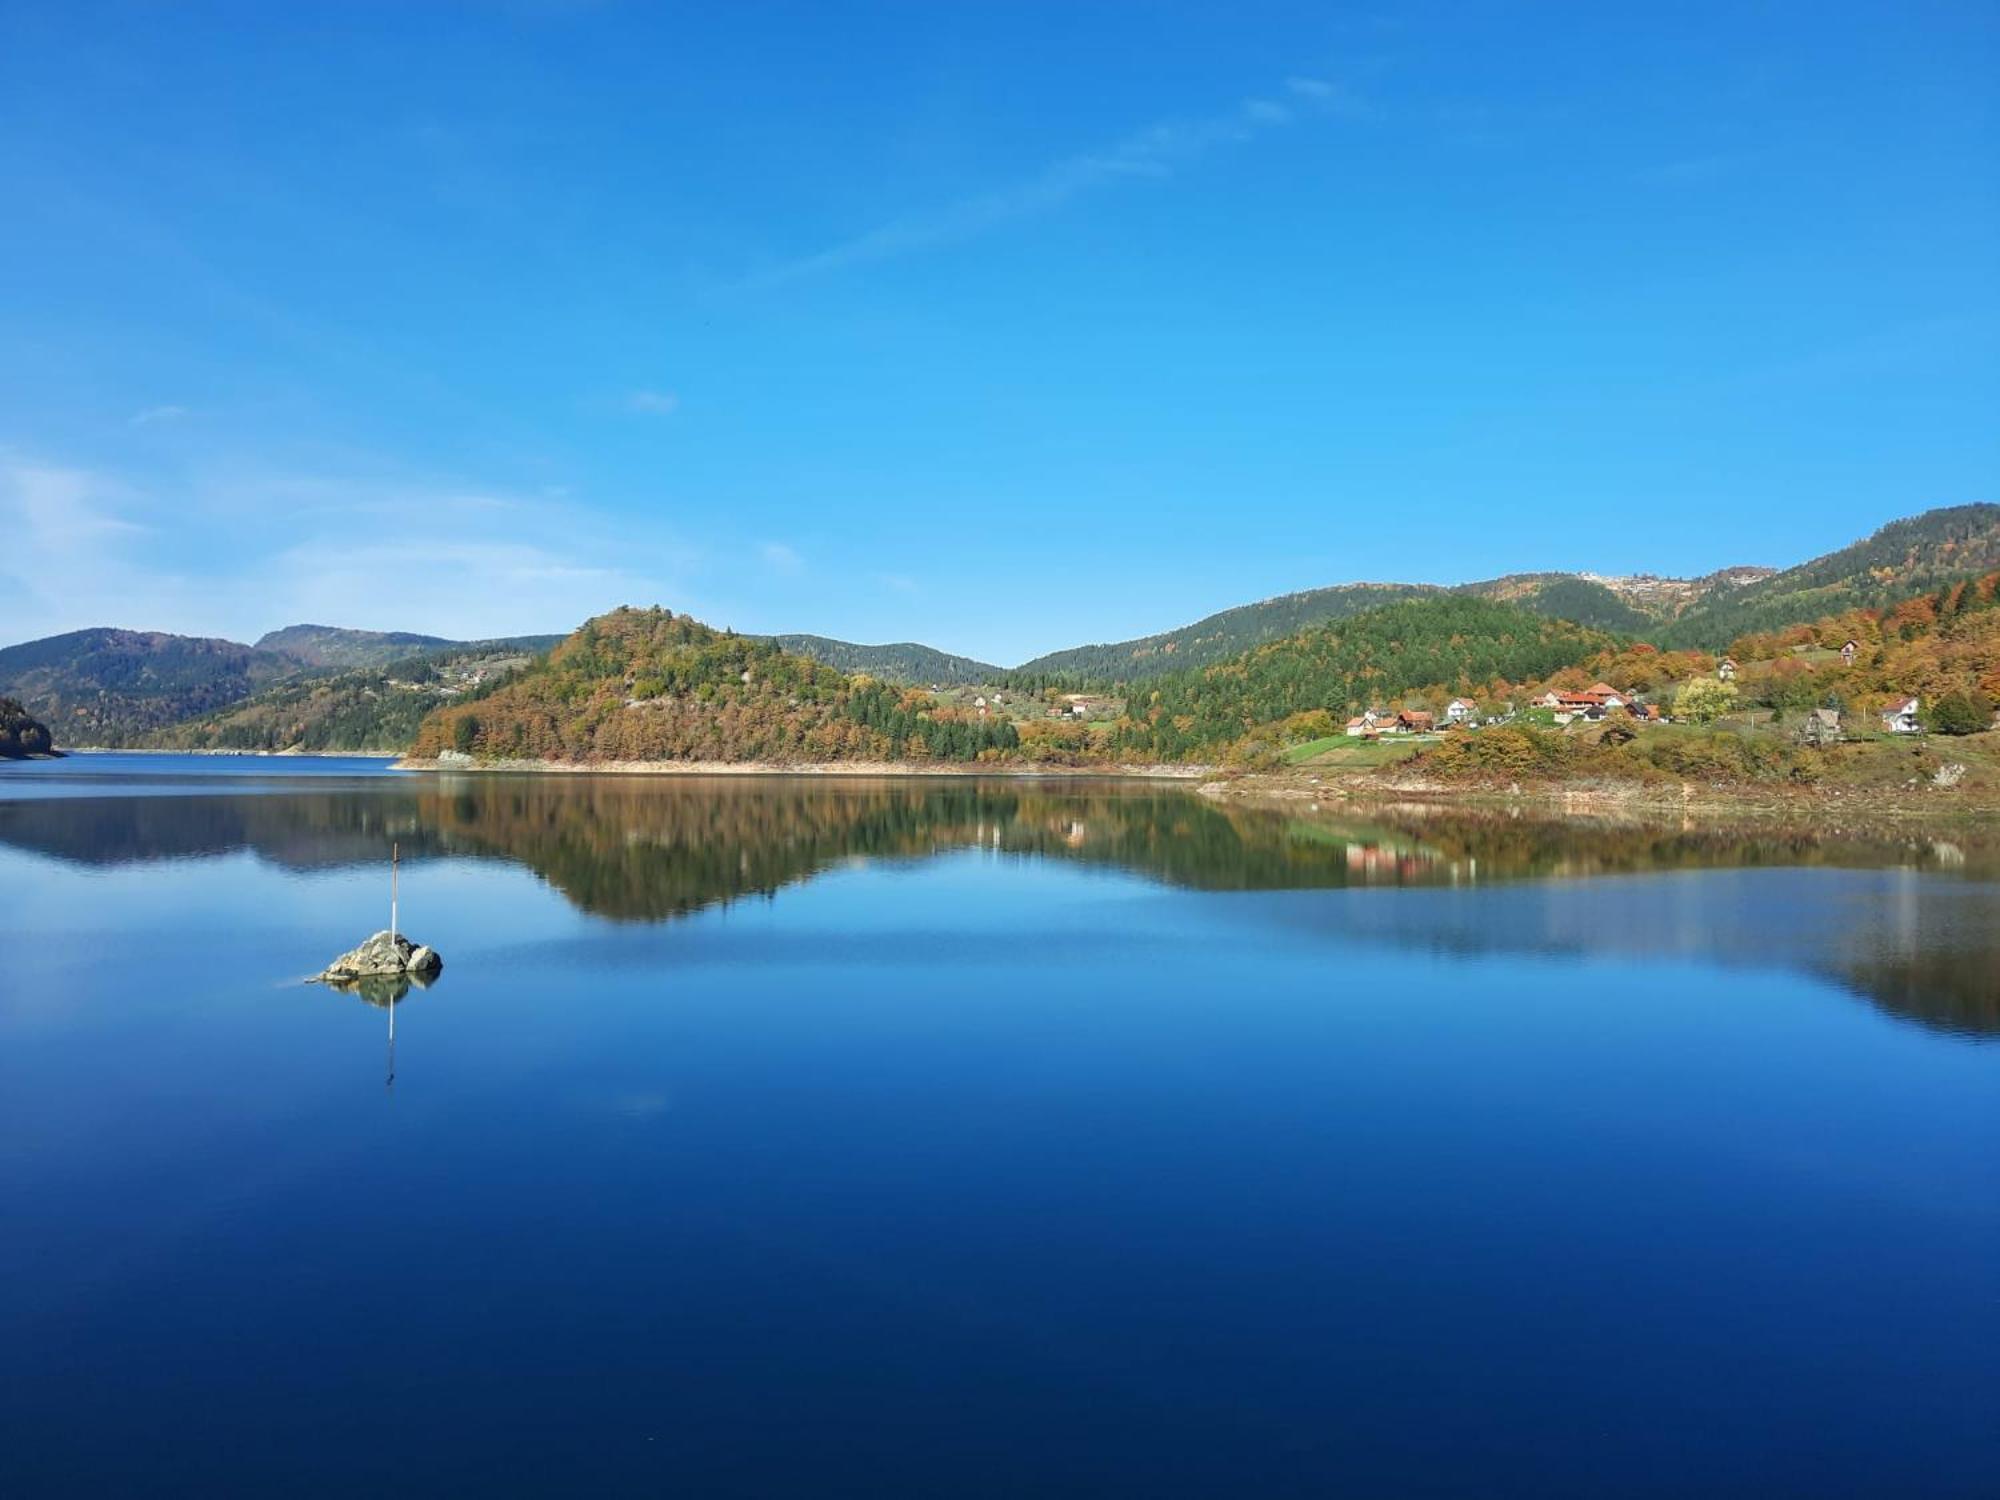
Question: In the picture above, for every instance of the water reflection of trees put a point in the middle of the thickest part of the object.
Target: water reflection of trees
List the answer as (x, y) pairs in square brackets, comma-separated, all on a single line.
[(634, 849)]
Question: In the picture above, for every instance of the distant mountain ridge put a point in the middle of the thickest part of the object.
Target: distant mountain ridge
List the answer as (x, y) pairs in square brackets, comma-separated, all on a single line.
[(902, 661), (1225, 634), (1910, 556), (1905, 557), (115, 687), (123, 687), (105, 686)]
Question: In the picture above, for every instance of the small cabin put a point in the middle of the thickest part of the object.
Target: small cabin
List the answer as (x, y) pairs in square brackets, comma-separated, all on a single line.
[(1821, 727), (1726, 669), (1901, 717), (1415, 721), (1848, 653), (1460, 711)]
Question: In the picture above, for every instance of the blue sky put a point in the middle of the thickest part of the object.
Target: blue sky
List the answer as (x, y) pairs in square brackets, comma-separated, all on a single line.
[(1001, 327)]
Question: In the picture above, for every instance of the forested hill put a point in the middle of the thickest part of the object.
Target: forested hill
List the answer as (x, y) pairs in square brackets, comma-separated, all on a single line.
[(1455, 643), (21, 734), (1565, 596), (366, 709), (1904, 558), (1907, 557), (903, 661), (1635, 606), (1220, 636), (638, 685), (147, 687), (107, 687)]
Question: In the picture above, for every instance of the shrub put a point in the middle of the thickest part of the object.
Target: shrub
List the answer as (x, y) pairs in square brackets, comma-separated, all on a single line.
[(1959, 713)]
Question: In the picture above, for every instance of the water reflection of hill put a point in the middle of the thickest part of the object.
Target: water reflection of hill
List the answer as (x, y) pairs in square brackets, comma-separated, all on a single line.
[(640, 850)]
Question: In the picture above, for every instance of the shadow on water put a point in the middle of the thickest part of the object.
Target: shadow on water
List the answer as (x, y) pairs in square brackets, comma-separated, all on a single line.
[(642, 850)]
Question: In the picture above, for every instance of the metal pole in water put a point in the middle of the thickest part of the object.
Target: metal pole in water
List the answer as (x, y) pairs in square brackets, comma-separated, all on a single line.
[(394, 853)]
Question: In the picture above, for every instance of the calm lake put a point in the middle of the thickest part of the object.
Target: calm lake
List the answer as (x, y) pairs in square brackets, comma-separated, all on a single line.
[(799, 1137)]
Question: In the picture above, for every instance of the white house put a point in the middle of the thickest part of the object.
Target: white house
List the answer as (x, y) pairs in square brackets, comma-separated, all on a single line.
[(1901, 718), (1460, 711)]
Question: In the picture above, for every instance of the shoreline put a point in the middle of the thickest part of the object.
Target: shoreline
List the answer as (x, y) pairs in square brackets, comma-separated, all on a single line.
[(1649, 801), (1597, 799), (873, 769), (240, 754)]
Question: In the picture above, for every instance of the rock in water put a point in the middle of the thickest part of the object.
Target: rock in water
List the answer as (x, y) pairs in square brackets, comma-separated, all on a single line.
[(385, 953)]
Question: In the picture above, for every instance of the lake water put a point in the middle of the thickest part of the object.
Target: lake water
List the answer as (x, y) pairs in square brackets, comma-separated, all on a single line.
[(819, 1137)]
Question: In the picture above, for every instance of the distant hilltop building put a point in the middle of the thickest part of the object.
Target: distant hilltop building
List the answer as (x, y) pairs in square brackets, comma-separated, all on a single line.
[(1847, 653)]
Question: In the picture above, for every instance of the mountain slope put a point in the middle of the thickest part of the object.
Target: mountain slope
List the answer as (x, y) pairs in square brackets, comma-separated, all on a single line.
[(1456, 642), (138, 687), (105, 687), (903, 661), (1220, 636), (1630, 606), (1566, 596), (647, 685), (1906, 557), (366, 709)]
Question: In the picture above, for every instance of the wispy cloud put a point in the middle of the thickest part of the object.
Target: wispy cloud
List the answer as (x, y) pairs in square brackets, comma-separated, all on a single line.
[(239, 551), (782, 559), (51, 511), (1158, 151), (153, 415), (902, 583), (653, 403)]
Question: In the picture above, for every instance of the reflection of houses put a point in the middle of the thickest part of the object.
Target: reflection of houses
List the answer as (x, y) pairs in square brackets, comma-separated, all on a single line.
[(1901, 717)]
